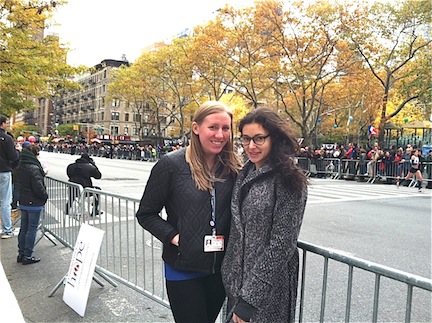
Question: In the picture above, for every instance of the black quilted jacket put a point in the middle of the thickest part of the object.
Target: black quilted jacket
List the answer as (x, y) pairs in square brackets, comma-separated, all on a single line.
[(188, 213), (30, 176)]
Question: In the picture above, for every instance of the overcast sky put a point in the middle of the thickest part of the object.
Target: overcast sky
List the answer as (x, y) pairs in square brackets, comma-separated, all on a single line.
[(106, 29)]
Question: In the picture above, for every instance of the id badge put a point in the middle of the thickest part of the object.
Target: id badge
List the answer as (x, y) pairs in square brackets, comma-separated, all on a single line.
[(213, 243)]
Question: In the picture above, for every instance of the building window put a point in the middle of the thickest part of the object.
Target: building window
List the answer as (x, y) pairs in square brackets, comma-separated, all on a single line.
[(115, 102), (126, 131), (115, 115), (135, 132), (137, 117), (126, 117), (145, 132), (102, 115), (114, 130)]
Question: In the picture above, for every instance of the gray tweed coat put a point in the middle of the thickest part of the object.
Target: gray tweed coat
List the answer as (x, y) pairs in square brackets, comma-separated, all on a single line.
[(262, 261)]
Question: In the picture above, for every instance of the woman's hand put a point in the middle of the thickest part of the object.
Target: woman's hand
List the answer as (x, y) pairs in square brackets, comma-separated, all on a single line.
[(175, 240), (236, 319)]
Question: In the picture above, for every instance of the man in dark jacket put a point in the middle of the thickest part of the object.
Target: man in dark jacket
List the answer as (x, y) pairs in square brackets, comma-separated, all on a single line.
[(9, 155), (81, 173)]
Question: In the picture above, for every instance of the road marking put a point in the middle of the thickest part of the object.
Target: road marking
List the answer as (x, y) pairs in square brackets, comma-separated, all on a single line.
[(332, 193)]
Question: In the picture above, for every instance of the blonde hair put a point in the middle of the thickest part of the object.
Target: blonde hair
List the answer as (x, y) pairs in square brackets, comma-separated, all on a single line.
[(195, 156)]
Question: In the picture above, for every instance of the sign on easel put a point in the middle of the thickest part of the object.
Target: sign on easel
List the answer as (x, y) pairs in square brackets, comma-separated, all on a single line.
[(80, 275)]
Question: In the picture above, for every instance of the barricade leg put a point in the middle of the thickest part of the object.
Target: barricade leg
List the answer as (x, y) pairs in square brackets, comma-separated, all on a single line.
[(41, 227), (63, 281)]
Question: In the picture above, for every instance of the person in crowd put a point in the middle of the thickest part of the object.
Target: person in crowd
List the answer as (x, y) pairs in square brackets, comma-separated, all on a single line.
[(415, 169), (398, 163), (428, 162), (386, 165), (351, 156), (194, 184), (32, 198), (81, 172), (373, 156), (260, 268), (406, 159), (15, 189), (9, 157), (362, 156), (153, 153)]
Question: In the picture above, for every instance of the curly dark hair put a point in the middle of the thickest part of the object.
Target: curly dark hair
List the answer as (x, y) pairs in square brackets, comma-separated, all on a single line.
[(284, 146)]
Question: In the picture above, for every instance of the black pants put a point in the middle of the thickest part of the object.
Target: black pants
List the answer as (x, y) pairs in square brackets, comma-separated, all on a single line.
[(197, 300)]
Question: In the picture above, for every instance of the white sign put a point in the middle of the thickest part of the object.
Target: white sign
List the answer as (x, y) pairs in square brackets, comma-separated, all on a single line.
[(81, 269)]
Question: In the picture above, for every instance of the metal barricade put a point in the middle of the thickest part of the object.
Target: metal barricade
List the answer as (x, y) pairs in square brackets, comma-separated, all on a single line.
[(391, 171), (304, 163), (333, 168), (63, 227), (132, 256), (128, 254), (357, 296)]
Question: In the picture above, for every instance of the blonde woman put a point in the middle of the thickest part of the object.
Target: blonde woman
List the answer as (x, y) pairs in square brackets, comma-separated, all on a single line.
[(194, 184)]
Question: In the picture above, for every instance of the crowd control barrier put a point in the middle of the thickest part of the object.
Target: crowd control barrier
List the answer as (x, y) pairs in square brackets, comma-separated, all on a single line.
[(132, 257), (365, 170)]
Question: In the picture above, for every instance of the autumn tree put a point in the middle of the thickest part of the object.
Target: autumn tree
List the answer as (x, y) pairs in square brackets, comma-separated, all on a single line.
[(211, 77), (158, 87), (131, 86), (392, 40), (31, 65), (250, 45), (175, 71), (311, 58)]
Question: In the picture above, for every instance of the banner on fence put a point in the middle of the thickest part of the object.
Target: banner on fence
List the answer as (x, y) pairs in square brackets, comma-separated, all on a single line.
[(80, 275)]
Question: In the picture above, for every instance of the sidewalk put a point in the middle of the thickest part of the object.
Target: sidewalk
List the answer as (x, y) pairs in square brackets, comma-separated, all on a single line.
[(25, 291)]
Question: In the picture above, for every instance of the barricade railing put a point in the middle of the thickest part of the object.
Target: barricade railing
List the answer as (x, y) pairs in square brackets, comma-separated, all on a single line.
[(128, 253), (372, 171), (392, 171), (56, 221), (122, 152), (358, 296), (132, 256)]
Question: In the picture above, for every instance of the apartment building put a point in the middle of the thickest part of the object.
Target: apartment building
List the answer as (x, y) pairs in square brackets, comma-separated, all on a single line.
[(90, 109)]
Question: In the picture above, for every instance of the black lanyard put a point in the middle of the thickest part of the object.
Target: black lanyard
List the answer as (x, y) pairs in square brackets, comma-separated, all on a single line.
[(213, 212)]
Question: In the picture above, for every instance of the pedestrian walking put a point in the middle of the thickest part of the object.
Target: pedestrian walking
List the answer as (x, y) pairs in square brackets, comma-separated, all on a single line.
[(260, 268), (194, 184)]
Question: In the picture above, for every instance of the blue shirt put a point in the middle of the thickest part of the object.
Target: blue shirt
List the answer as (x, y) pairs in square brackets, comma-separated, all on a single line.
[(31, 208), (173, 274)]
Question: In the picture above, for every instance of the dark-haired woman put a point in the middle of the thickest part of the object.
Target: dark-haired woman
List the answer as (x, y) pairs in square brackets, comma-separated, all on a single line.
[(32, 198), (260, 268)]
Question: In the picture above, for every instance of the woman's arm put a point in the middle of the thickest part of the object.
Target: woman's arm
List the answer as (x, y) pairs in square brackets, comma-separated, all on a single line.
[(154, 199)]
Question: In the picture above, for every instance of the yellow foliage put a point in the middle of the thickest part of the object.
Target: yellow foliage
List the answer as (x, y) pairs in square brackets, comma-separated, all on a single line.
[(238, 108)]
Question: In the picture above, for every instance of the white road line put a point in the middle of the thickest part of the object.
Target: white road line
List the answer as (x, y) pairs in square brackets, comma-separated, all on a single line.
[(341, 193)]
